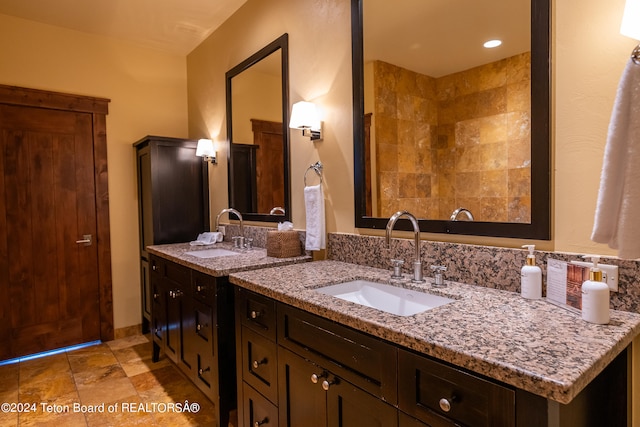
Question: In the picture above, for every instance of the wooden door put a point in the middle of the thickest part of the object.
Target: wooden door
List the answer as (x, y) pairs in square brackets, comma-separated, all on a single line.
[(48, 276), (267, 136)]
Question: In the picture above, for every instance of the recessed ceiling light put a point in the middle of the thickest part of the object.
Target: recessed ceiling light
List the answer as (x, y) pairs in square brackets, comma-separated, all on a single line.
[(492, 43)]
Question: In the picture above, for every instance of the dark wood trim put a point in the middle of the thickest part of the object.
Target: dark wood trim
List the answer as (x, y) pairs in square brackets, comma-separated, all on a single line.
[(540, 226), (98, 108), (14, 95), (104, 227)]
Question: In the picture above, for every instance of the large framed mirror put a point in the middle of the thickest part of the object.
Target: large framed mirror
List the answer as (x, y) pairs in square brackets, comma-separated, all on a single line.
[(257, 98), (443, 126)]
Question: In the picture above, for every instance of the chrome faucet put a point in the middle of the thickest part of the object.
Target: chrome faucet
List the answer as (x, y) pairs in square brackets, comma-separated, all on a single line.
[(277, 210), (467, 212), (236, 213), (417, 264)]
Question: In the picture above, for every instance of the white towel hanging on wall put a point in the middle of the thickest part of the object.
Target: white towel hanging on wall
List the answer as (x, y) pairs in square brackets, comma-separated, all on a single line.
[(314, 207), (617, 220)]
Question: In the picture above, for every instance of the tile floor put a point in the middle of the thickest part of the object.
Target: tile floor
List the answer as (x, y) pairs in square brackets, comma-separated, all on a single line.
[(116, 376)]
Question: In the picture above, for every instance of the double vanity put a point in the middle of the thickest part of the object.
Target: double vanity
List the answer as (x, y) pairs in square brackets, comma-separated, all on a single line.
[(296, 343)]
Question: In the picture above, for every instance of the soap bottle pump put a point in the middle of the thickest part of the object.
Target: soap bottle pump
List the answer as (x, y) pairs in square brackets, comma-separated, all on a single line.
[(595, 295), (531, 276)]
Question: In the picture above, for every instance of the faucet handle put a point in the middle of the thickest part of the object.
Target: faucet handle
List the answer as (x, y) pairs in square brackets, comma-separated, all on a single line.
[(439, 274), (397, 268)]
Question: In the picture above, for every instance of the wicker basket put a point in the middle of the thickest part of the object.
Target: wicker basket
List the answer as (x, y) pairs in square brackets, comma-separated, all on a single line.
[(283, 244)]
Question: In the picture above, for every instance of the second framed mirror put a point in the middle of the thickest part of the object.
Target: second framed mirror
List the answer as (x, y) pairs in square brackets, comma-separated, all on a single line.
[(257, 98)]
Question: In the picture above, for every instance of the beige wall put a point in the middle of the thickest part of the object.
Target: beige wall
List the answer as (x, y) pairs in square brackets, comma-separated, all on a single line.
[(148, 96), (588, 57), (320, 71)]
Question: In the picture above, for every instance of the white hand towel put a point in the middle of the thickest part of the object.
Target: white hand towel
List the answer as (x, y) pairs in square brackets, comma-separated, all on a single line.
[(314, 206), (207, 238), (616, 219)]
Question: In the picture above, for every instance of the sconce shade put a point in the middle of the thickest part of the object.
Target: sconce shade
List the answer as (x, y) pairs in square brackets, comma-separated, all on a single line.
[(304, 115), (205, 148), (206, 151), (631, 19)]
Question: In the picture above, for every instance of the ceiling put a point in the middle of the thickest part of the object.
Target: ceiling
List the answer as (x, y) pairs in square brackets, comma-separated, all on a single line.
[(175, 26), (178, 26), (440, 37)]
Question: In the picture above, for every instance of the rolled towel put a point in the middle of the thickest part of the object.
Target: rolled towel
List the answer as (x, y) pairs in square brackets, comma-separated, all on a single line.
[(208, 238), (314, 207)]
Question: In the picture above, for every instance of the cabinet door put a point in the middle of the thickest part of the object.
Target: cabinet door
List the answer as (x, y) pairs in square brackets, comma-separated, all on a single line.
[(257, 409), (302, 402), (349, 406), (158, 307)]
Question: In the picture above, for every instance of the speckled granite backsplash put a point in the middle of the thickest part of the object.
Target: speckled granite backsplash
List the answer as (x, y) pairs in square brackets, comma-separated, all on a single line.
[(492, 267)]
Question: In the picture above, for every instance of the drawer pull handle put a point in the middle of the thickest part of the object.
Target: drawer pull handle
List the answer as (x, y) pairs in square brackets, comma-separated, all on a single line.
[(256, 363), (175, 294), (154, 267), (255, 314), (315, 377), (202, 371), (198, 327), (265, 420), (200, 288), (445, 404)]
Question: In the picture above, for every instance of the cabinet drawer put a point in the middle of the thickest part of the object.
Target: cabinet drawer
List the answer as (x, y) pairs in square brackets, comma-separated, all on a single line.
[(170, 270), (430, 390), (364, 361), (259, 363), (258, 411), (257, 312), (203, 287)]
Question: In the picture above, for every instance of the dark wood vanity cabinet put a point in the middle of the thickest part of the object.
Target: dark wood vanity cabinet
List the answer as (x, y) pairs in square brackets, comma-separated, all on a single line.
[(298, 369), (193, 324)]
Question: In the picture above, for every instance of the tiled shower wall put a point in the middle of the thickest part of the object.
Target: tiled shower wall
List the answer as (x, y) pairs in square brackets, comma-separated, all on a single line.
[(492, 267), (461, 140)]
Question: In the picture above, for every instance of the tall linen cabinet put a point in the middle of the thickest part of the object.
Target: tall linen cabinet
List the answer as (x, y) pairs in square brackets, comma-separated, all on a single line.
[(173, 200)]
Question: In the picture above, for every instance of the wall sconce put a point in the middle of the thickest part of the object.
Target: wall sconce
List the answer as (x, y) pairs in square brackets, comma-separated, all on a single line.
[(206, 151), (304, 115), (631, 25)]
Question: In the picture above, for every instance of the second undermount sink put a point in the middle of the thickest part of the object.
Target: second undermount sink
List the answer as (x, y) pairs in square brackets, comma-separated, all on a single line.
[(211, 253), (392, 299)]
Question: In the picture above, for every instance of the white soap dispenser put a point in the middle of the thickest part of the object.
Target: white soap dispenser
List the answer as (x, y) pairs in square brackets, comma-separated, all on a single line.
[(595, 295), (531, 276)]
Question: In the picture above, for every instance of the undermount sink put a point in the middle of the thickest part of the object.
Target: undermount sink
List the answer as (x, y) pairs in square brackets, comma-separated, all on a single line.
[(211, 253), (392, 299)]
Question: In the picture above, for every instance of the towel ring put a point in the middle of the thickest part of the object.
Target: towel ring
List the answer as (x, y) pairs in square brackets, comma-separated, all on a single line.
[(317, 168)]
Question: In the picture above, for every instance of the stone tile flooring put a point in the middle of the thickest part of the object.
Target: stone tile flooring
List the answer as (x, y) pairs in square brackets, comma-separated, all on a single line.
[(117, 380)]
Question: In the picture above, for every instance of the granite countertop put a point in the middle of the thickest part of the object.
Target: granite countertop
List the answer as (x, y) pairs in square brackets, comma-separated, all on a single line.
[(530, 344), (246, 259)]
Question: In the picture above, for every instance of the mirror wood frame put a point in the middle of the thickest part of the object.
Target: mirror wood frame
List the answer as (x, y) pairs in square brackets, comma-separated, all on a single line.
[(540, 226), (281, 43)]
